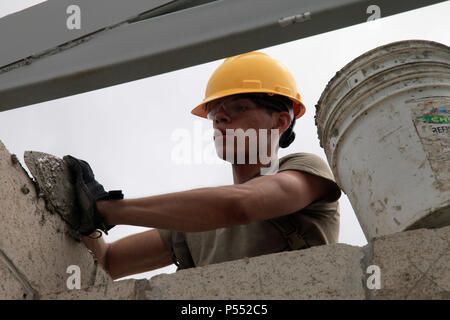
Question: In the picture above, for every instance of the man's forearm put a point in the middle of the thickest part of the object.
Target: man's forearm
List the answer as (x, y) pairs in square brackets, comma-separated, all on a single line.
[(189, 211)]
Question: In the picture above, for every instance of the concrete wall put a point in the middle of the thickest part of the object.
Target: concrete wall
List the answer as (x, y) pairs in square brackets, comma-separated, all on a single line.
[(412, 265), (36, 249), (35, 246)]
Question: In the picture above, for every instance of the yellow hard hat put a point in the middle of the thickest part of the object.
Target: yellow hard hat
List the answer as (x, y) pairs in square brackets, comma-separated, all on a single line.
[(251, 72)]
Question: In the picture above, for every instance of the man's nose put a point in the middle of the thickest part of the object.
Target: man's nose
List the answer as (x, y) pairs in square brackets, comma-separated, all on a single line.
[(222, 116)]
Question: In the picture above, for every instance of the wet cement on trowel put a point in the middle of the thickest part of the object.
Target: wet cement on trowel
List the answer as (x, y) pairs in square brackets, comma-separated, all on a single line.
[(54, 183)]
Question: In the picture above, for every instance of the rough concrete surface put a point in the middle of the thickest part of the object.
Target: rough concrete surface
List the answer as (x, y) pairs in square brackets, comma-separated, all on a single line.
[(54, 182), (119, 290), (414, 264), (325, 272), (35, 246)]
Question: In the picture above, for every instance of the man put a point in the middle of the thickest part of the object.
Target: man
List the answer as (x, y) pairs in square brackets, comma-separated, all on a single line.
[(282, 204)]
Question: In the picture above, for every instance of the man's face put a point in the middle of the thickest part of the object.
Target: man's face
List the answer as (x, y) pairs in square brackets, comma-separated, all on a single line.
[(242, 129)]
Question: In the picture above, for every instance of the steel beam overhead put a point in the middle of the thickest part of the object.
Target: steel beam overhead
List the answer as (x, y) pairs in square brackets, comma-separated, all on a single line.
[(43, 26), (121, 41)]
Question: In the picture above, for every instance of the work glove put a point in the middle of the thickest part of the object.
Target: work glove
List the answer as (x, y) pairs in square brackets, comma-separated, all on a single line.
[(88, 192)]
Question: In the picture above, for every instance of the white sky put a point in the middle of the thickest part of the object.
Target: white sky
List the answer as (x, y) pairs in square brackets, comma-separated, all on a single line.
[(125, 132)]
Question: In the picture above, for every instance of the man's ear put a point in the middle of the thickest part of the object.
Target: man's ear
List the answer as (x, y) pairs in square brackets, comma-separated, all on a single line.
[(282, 121)]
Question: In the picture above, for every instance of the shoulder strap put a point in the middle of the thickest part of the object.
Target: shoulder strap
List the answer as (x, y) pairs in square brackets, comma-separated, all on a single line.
[(183, 258), (290, 232)]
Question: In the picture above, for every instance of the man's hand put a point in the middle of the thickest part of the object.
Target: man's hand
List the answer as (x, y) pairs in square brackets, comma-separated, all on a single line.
[(88, 192)]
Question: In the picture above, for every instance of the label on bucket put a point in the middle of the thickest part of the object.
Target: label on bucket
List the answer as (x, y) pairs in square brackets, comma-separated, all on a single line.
[(431, 118)]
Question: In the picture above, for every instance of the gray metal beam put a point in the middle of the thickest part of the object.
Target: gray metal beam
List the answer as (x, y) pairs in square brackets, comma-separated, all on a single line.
[(141, 48), (43, 26)]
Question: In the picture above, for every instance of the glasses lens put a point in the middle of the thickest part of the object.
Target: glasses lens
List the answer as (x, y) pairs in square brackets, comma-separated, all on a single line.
[(212, 110), (211, 113), (233, 110)]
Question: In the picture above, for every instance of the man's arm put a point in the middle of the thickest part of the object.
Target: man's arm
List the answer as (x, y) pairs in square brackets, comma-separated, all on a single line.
[(198, 210), (204, 209), (133, 254), (285, 192)]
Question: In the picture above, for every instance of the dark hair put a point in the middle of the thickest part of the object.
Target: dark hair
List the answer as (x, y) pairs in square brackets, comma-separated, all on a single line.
[(276, 103)]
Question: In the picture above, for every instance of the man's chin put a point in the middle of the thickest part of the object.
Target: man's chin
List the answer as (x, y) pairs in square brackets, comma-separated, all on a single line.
[(236, 157)]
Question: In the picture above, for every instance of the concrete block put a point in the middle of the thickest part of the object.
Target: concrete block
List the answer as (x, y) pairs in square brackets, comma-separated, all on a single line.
[(413, 264), (54, 182), (324, 272), (35, 242), (117, 290), (9, 283)]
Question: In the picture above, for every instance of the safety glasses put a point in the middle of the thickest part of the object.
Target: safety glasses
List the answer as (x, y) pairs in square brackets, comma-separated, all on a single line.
[(250, 102), (233, 109)]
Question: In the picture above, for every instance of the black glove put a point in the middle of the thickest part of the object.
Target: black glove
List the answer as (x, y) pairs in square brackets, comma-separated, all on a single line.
[(88, 192)]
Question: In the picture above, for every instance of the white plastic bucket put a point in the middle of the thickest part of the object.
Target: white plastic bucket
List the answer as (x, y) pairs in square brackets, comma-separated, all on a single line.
[(384, 122)]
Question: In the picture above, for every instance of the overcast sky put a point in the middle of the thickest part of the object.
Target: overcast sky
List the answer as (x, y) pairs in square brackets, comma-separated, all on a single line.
[(129, 132)]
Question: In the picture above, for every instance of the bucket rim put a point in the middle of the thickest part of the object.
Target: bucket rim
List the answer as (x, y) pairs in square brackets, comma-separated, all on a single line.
[(371, 55), (364, 60)]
